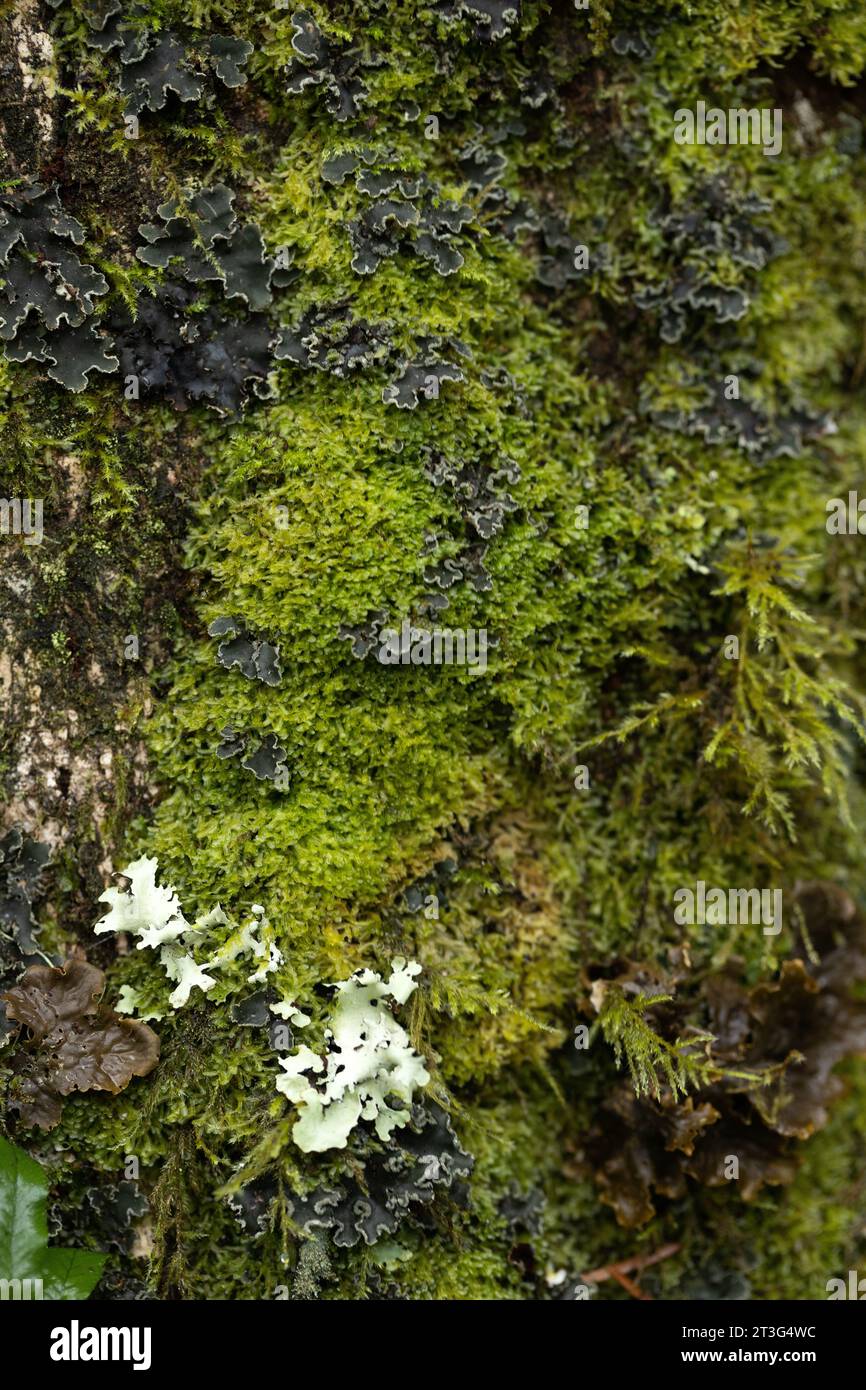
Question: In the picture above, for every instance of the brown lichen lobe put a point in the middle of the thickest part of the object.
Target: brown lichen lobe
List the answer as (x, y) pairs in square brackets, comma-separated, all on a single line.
[(788, 1033), (73, 1042)]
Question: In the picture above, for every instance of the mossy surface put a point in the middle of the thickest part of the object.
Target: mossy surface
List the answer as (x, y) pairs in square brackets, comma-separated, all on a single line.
[(635, 549)]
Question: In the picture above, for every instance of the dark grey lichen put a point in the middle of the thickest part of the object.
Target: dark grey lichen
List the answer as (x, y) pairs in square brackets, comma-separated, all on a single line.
[(336, 168), (427, 228), (478, 489), (742, 422), (48, 294), (495, 18), (152, 69), (70, 352), (420, 380), (630, 43), (255, 658), (231, 744), (191, 348), (482, 168), (22, 861), (407, 212), (394, 1185), (365, 636), (714, 228), (90, 1209), (567, 256), (254, 1011), (323, 63), (204, 237), (266, 760), (378, 233), (155, 65), (252, 1205), (432, 888), (184, 344), (177, 351), (444, 574), (483, 504), (522, 1212), (228, 56), (330, 339), (114, 1207), (58, 285)]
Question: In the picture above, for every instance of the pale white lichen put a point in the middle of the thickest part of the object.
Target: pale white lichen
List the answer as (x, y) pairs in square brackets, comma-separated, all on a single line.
[(370, 1064), (274, 959), (152, 914), (243, 941), (183, 969), (144, 910), (288, 1010), (255, 938), (130, 1001)]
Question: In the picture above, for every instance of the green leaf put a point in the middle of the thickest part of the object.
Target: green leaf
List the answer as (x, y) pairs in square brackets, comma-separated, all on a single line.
[(24, 1249)]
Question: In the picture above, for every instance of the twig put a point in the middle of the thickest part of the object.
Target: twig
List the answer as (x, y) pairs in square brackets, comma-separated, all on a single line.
[(634, 1262), (631, 1287)]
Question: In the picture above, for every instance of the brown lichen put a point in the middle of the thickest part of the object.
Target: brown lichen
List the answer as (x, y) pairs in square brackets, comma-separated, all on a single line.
[(72, 1042), (773, 1051)]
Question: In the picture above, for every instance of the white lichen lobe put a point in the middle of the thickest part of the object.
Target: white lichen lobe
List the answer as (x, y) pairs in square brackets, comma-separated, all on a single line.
[(152, 914), (370, 1066)]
